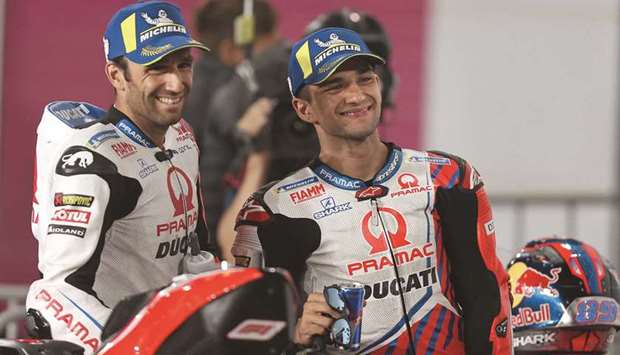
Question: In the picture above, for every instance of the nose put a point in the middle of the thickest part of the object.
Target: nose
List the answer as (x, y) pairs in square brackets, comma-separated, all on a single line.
[(176, 82), (354, 93)]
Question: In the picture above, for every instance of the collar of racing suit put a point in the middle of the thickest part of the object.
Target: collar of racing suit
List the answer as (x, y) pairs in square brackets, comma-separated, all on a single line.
[(331, 176), (130, 129)]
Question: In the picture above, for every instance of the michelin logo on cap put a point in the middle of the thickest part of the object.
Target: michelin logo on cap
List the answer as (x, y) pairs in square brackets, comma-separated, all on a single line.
[(334, 45)]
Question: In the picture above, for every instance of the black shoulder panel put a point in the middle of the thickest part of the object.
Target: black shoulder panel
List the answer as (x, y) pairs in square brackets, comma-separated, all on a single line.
[(78, 160)]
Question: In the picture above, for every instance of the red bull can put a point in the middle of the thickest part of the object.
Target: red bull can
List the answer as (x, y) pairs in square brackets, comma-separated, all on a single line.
[(348, 299)]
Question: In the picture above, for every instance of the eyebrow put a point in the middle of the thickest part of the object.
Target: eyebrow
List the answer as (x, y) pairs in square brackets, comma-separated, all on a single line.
[(337, 80)]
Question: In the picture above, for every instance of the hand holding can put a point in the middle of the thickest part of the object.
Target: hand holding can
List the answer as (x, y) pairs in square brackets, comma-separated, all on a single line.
[(348, 300)]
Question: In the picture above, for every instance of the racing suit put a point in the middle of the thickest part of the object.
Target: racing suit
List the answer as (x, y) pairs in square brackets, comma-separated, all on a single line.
[(111, 213), (327, 228)]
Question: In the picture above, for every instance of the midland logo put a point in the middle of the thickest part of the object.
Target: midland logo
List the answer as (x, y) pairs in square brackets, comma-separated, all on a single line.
[(409, 185), (162, 24), (330, 207), (333, 45), (397, 230)]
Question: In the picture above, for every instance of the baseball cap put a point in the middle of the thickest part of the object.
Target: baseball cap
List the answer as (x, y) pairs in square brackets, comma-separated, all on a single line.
[(145, 32), (317, 56)]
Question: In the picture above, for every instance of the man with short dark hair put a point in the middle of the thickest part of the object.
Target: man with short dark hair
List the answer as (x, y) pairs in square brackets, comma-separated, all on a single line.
[(118, 206), (414, 227)]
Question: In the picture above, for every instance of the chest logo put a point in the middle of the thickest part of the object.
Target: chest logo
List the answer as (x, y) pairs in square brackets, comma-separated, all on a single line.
[(395, 226), (409, 184), (181, 191)]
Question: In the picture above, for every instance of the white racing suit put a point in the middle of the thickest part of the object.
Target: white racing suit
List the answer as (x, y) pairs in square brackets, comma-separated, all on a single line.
[(431, 208), (111, 213)]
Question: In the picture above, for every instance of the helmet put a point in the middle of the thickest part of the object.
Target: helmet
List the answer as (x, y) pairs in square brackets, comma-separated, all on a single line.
[(565, 298), (371, 32)]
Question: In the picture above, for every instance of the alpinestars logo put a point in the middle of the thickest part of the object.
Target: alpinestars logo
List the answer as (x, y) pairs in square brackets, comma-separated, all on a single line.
[(181, 191), (396, 228)]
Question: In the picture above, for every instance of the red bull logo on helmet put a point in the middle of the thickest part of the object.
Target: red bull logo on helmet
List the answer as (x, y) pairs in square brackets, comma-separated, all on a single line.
[(525, 281)]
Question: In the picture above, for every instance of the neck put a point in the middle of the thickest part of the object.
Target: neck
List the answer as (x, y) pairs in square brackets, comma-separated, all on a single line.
[(358, 159), (155, 133)]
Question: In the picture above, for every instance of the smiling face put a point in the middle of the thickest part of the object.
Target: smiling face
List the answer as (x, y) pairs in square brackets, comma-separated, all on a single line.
[(153, 96), (346, 106)]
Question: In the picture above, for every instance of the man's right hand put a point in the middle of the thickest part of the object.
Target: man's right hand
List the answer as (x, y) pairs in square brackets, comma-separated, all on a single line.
[(316, 319)]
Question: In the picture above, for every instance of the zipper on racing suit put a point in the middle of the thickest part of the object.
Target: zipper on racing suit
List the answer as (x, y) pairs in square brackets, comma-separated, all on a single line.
[(377, 220)]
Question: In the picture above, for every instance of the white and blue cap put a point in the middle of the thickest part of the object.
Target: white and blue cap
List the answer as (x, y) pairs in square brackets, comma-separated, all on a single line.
[(145, 32), (317, 56)]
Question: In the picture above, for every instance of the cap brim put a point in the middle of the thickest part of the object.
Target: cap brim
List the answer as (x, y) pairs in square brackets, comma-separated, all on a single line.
[(162, 48), (375, 59)]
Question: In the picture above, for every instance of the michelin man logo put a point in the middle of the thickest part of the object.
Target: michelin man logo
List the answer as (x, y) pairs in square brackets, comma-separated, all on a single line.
[(82, 158), (162, 18), (333, 41)]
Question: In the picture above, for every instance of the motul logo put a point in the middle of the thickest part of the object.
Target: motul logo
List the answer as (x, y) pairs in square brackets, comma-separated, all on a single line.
[(75, 216), (396, 228)]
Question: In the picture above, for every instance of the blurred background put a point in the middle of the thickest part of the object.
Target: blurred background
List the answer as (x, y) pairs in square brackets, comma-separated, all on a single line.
[(525, 90)]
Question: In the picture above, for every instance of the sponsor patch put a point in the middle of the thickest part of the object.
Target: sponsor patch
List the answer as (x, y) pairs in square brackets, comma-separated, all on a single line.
[(61, 199), (307, 193), (256, 329), (330, 208), (70, 215), (96, 140), (124, 149), (489, 227), (242, 261), (80, 159), (79, 232), (146, 169), (501, 330), (534, 339), (298, 184), (432, 160)]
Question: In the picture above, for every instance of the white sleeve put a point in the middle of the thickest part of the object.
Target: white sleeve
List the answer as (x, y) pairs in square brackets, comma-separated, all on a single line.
[(247, 249)]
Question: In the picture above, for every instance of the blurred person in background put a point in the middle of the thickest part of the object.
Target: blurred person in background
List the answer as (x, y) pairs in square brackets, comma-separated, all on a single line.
[(415, 228), (118, 206), (564, 298)]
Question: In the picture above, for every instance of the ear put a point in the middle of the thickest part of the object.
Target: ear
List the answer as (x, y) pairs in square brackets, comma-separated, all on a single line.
[(115, 76), (304, 110)]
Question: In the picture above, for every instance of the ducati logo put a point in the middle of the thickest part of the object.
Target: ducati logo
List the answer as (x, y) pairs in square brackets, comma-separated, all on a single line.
[(181, 190), (407, 181), (394, 224)]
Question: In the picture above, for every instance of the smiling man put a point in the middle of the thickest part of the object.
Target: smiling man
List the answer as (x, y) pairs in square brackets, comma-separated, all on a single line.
[(117, 202), (414, 227)]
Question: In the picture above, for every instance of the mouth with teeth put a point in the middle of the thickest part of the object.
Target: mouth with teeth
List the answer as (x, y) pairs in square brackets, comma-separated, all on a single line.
[(356, 112), (171, 101)]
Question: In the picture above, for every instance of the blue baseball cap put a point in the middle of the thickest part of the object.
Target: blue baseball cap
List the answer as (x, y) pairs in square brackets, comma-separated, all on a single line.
[(146, 32), (317, 56)]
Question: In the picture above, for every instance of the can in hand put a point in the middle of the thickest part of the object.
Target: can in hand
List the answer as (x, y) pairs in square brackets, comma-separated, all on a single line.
[(348, 300)]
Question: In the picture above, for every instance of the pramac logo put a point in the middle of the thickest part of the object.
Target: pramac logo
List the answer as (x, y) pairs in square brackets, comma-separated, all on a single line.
[(181, 191), (394, 224), (407, 181)]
